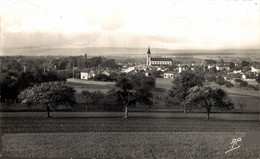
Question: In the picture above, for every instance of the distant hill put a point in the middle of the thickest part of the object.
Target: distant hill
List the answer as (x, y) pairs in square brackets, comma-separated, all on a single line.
[(92, 51), (114, 51)]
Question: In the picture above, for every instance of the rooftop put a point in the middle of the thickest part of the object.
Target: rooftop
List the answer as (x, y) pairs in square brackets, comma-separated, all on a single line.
[(161, 59)]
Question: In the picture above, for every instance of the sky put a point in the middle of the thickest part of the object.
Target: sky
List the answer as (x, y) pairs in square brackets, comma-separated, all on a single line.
[(170, 24)]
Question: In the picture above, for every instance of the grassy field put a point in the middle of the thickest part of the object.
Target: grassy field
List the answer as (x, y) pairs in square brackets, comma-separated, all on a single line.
[(164, 83), (184, 145), (117, 124), (124, 138), (91, 86)]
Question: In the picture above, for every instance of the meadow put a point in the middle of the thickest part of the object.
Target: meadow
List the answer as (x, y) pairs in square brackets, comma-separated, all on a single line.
[(125, 138), (186, 145), (80, 85)]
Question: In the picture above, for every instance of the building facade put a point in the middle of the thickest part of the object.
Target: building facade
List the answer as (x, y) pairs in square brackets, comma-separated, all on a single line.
[(169, 75), (84, 75), (157, 61)]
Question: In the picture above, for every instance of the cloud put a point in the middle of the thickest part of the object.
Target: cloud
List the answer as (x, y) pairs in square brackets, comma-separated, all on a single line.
[(166, 23), (167, 39), (25, 39)]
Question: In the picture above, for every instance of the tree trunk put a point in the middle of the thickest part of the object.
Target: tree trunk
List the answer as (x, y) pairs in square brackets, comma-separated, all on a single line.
[(208, 112), (184, 108), (126, 112), (48, 111)]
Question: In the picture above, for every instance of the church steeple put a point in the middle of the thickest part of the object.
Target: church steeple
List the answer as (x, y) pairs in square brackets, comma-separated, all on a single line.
[(149, 52), (148, 58)]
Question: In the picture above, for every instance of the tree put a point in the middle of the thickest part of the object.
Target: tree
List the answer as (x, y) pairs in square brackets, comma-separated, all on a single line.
[(258, 79), (228, 84), (212, 70), (210, 78), (50, 94), (220, 80), (182, 84), (8, 86), (110, 63), (52, 76), (209, 62), (238, 80), (134, 88), (208, 97), (243, 83), (232, 65), (101, 77), (245, 63)]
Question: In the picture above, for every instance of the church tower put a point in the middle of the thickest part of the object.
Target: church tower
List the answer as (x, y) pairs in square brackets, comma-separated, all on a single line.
[(148, 59)]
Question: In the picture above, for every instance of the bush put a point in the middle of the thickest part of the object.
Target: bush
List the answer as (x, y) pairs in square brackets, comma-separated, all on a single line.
[(164, 99), (250, 87), (238, 80), (110, 103), (102, 77), (243, 84), (210, 78), (100, 100), (228, 84), (90, 98), (220, 80)]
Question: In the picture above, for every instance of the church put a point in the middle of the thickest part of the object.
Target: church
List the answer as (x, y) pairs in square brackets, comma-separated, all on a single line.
[(157, 61)]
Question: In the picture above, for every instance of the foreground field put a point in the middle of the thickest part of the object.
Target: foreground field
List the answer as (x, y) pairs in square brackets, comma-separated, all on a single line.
[(207, 145), (121, 138)]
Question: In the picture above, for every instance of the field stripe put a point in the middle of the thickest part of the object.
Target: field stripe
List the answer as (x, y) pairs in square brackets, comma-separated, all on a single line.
[(125, 145)]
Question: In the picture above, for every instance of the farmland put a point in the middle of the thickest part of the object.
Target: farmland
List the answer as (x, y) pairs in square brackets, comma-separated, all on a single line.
[(207, 145), (36, 137)]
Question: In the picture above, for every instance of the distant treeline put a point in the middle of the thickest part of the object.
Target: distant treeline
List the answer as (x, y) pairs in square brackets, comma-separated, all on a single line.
[(19, 72)]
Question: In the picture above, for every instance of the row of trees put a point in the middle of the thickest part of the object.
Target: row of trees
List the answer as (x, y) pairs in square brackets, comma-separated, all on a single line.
[(232, 65), (128, 91), (188, 90)]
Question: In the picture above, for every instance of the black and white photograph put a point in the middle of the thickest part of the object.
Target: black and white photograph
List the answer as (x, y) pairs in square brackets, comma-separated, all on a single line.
[(140, 79)]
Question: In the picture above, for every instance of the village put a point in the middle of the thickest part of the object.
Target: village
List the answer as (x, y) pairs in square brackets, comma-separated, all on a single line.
[(149, 79), (170, 68)]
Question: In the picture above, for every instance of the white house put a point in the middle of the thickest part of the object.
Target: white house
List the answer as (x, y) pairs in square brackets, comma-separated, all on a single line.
[(128, 70), (184, 68), (106, 73), (255, 69), (222, 67), (168, 75), (235, 71), (210, 66), (84, 75)]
